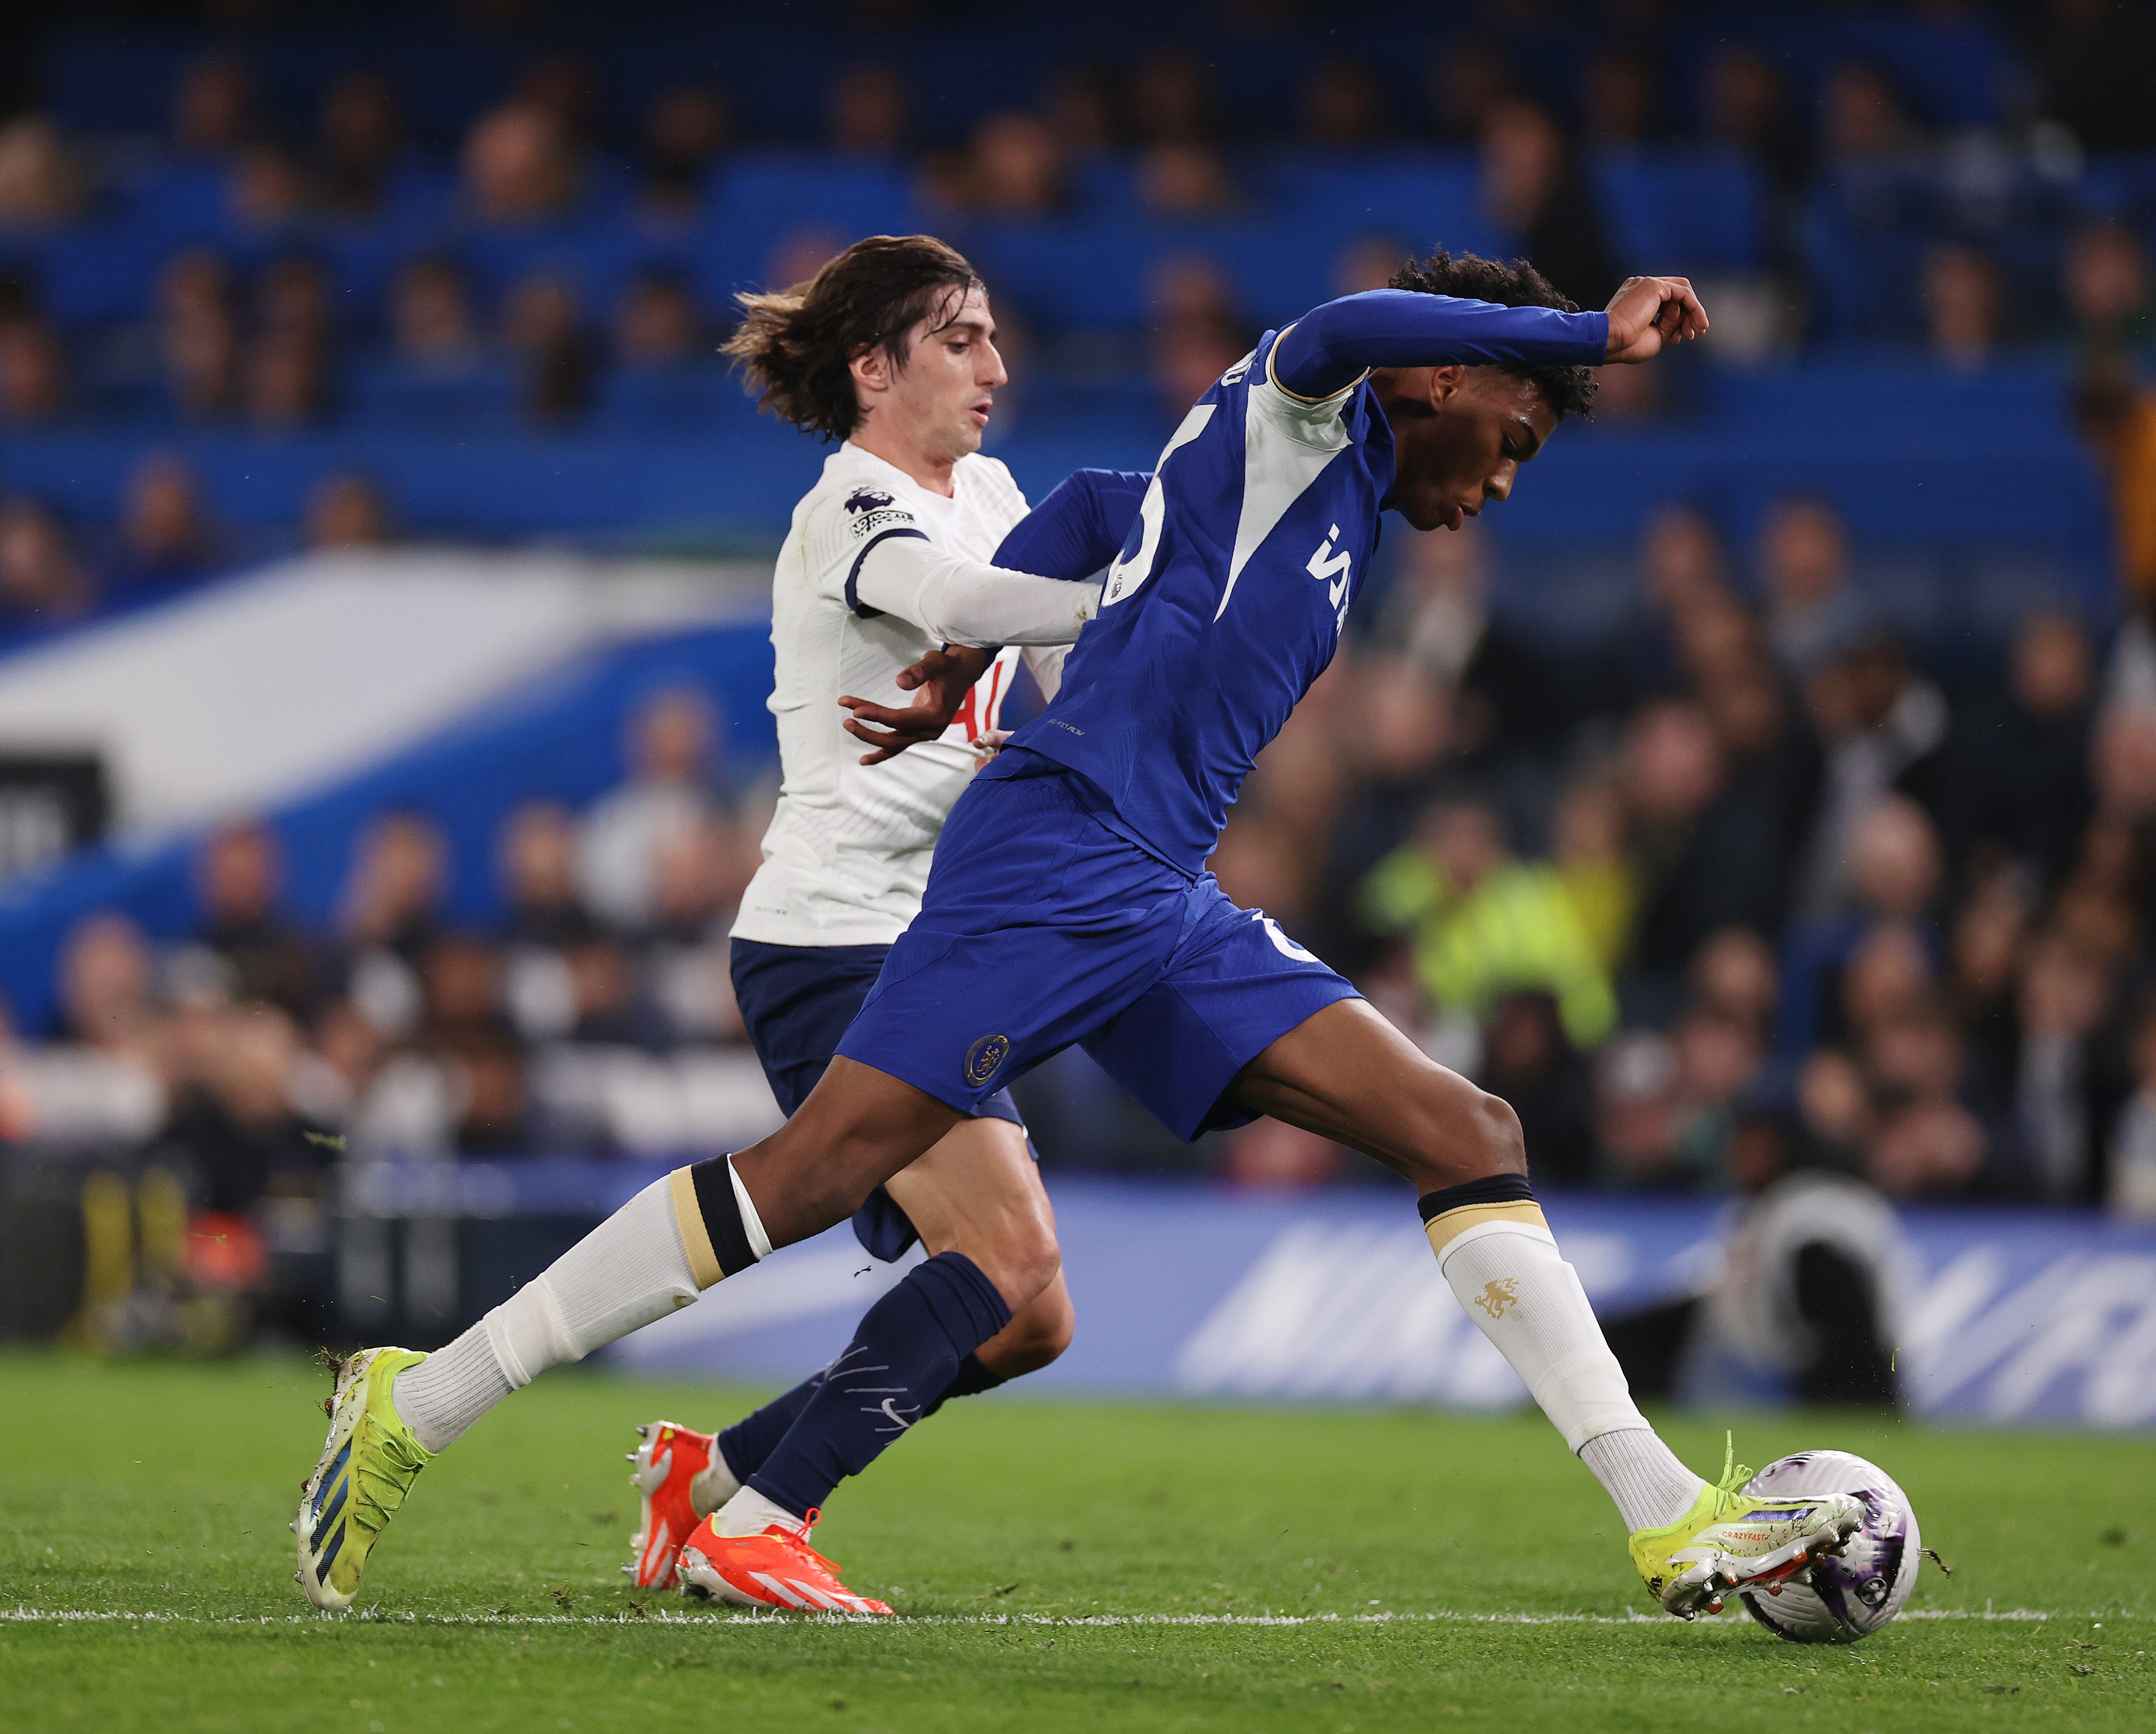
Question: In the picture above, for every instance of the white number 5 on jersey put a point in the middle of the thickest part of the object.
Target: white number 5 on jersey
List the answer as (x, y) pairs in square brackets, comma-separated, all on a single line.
[(1130, 572)]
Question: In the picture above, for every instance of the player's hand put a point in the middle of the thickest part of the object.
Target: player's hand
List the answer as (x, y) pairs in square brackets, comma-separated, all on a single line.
[(1648, 313), (940, 681)]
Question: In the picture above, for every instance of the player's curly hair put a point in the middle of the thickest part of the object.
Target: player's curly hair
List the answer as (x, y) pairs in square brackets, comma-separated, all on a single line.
[(795, 347), (1568, 391)]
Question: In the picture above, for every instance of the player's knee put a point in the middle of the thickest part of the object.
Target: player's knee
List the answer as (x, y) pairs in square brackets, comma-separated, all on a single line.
[(1021, 1261), (1037, 1334), (1500, 1146), (1467, 1134)]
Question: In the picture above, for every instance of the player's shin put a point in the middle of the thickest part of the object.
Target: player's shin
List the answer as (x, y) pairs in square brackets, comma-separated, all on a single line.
[(1497, 1252), (656, 1254)]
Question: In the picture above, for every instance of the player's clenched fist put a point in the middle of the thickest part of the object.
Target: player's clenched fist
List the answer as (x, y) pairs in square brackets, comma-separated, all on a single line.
[(1648, 312)]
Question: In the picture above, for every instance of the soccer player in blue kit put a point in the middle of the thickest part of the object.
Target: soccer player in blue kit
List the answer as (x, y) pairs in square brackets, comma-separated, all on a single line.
[(1068, 901)]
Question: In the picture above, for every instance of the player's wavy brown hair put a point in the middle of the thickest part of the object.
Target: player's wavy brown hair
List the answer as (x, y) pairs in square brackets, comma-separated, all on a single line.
[(795, 347), (1568, 391)]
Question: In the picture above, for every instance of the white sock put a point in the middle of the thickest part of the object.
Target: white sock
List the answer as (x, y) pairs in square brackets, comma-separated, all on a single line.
[(1643, 1475), (632, 1269), (714, 1485), (1503, 1263), (450, 1389), (749, 1513)]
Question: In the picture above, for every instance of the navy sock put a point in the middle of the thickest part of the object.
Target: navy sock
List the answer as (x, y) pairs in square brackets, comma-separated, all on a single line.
[(748, 1443), (973, 1379), (903, 1360)]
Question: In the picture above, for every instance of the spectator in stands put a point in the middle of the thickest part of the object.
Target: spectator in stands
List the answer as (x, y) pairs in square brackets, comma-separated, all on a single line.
[(1015, 168), (1080, 102), (1467, 80), (106, 989), (2017, 780), (1744, 104), (431, 325), (346, 510), (696, 884), (1341, 106), (1638, 1114), (1485, 924), (42, 578), (359, 142), (1862, 117), (239, 889), (1600, 882), (537, 861), (612, 1009), (1683, 570), (42, 181), (2104, 279), (390, 915), (283, 383), (1530, 1062), (198, 334), (462, 992), (1179, 180), (1719, 1059), (2130, 1191), (1171, 99), (495, 1115), (1708, 849), (165, 534), (1732, 975), (234, 1131), (33, 373), (2058, 1088), (674, 785), (868, 112), (1893, 876), (292, 298), (1964, 308), (213, 106), (1534, 193), (1620, 100), (561, 84), (544, 327), (1366, 263), (266, 192), (1883, 729), (536, 865), (1804, 577), (685, 129), (658, 327), (519, 166)]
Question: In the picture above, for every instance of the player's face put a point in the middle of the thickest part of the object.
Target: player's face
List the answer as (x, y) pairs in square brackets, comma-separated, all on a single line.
[(1459, 436), (941, 398)]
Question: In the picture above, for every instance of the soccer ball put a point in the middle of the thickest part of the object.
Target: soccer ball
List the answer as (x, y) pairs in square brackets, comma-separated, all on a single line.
[(1853, 1594)]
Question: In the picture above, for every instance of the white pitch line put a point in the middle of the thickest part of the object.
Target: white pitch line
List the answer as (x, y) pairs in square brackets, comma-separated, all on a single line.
[(67, 1616)]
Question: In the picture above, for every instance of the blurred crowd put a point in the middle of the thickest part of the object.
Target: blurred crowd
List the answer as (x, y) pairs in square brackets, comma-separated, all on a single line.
[(1758, 860), (567, 260), (595, 1015)]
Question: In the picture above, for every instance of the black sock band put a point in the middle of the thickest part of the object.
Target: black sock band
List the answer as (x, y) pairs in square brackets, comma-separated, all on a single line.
[(973, 1379), (714, 1182), (1491, 1189)]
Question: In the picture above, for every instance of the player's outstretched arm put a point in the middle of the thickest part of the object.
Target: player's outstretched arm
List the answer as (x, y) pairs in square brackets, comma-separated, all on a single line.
[(1330, 347)]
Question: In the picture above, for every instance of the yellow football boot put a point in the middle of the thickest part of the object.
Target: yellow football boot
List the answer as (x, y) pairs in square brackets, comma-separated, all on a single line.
[(367, 1467), (1729, 1539)]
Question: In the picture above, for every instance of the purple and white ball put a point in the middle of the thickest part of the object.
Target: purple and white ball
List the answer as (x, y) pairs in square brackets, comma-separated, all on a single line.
[(1853, 1594)]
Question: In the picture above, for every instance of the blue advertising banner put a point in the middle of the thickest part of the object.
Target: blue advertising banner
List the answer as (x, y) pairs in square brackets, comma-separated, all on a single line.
[(2012, 1317)]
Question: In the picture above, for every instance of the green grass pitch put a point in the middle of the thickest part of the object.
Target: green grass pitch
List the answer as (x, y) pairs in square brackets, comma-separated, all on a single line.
[(1062, 1565)]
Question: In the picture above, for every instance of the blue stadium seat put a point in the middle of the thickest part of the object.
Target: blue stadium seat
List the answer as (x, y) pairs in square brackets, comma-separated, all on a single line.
[(387, 393), (698, 399), (1688, 211)]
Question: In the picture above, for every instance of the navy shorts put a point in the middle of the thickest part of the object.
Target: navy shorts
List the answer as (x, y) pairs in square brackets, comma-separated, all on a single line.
[(1043, 926), (797, 1001)]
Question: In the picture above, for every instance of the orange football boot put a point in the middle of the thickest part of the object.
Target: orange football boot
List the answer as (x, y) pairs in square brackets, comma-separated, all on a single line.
[(776, 1569), (671, 1457)]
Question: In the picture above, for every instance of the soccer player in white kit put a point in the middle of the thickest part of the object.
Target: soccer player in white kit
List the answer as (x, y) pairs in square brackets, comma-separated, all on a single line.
[(888, 557)]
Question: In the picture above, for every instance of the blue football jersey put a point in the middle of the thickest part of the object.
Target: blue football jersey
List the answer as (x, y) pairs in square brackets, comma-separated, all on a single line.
[(1227, 601)]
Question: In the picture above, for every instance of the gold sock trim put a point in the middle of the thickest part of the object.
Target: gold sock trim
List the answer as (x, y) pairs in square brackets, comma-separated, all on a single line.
[(696, 1237), (1444, 1229)]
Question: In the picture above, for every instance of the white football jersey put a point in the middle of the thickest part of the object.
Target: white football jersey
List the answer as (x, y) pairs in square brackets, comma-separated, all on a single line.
[(846, 857)]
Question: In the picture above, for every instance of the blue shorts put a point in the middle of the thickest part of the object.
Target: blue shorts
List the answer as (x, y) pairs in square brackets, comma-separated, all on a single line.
[(1043, 925), (797, 1001)]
